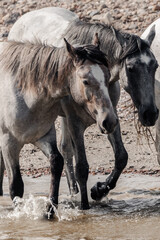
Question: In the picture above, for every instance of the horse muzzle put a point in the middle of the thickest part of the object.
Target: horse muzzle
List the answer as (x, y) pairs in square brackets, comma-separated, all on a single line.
[(148, 116), (108, 125)]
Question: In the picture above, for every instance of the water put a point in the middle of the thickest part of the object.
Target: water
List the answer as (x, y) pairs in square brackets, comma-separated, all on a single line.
[(131, 211)]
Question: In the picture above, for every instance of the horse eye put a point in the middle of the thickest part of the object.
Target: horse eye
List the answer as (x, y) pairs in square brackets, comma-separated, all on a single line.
[(130, 68), (85, 82)]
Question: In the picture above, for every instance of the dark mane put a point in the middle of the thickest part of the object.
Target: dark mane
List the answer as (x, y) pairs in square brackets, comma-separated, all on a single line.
[(115, 44), (37, 67)]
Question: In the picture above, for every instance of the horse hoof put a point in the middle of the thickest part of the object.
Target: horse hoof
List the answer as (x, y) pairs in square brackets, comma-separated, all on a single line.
[(99, 191), (50, 213)]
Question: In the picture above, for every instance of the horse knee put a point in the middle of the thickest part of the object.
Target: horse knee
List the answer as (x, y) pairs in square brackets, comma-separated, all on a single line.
[(82, 171), (57, 162), (66, 148), (121, 160)]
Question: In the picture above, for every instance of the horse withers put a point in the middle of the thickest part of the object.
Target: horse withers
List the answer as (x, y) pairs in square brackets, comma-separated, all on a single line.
[(130, 60), (33, 79)]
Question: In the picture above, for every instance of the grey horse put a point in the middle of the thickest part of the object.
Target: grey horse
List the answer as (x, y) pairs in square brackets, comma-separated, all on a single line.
[(130, 60), (33, 79)]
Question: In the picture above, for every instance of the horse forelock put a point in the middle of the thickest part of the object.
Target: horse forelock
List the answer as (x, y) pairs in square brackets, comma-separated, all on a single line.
[(132, 45), (91, 53)]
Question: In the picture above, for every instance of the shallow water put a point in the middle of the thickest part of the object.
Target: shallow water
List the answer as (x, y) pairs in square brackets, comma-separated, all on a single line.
[(131, 211)]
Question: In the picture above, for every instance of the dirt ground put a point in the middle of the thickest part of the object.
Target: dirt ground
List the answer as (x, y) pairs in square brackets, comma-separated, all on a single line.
[(130, 16)]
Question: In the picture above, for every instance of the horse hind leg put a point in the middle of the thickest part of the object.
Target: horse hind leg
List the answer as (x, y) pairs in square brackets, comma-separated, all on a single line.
[(48, 146), (101, 189), (1, 172), (66, 149), (10, 151)]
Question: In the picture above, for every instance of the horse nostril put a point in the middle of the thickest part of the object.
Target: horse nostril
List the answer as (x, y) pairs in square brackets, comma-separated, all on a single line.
[(150, 116), (109, 125), (104, 124), (145, 115)]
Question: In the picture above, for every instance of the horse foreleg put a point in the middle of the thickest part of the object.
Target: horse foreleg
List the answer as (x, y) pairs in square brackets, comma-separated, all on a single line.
[(66, 150), (101, 189), (10, 152), (76, 130), (48, 145), (1, 172)]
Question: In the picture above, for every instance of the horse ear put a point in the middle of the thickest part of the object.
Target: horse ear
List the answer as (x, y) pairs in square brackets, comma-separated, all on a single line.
[(70, 49), (151, 35), (107, 19), (96, 41)]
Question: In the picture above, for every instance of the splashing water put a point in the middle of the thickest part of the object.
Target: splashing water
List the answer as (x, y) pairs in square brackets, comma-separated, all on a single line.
[(32, 208), (131, 209)]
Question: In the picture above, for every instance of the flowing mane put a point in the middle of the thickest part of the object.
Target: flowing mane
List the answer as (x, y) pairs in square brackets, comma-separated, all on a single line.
[(36, 66), (116, 44)]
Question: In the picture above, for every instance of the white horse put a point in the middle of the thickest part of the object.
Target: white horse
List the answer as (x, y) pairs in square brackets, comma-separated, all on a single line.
[(155, 46)]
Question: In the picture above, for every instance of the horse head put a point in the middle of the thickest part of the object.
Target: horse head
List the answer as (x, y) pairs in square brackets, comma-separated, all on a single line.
[(138, 67), (88, 84)]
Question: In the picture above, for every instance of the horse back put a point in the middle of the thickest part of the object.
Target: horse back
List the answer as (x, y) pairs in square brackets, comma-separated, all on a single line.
[(41, 25)]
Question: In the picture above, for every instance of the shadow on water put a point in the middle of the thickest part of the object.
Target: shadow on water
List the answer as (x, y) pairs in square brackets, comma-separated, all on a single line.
[(129, 212)]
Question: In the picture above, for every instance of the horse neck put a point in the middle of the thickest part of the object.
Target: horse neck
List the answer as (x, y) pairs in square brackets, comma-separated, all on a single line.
[(64, 69), (110, 41)]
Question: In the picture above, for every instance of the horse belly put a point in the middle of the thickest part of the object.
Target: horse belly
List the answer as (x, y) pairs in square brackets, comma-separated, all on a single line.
[(27, 128), (47, 25)]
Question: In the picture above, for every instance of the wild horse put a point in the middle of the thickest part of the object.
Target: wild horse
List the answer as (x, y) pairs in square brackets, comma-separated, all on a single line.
[(33, 79), (130, 60), (155, 46)]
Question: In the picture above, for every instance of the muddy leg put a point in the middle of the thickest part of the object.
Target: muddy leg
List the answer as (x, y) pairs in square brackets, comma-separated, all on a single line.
[(10, 151), (66, 149), (1, 172), (76, 130), (48, 145), (101, 189)]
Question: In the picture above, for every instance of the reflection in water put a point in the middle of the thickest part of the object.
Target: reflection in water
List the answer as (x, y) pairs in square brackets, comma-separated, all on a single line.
[(131, 211)]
